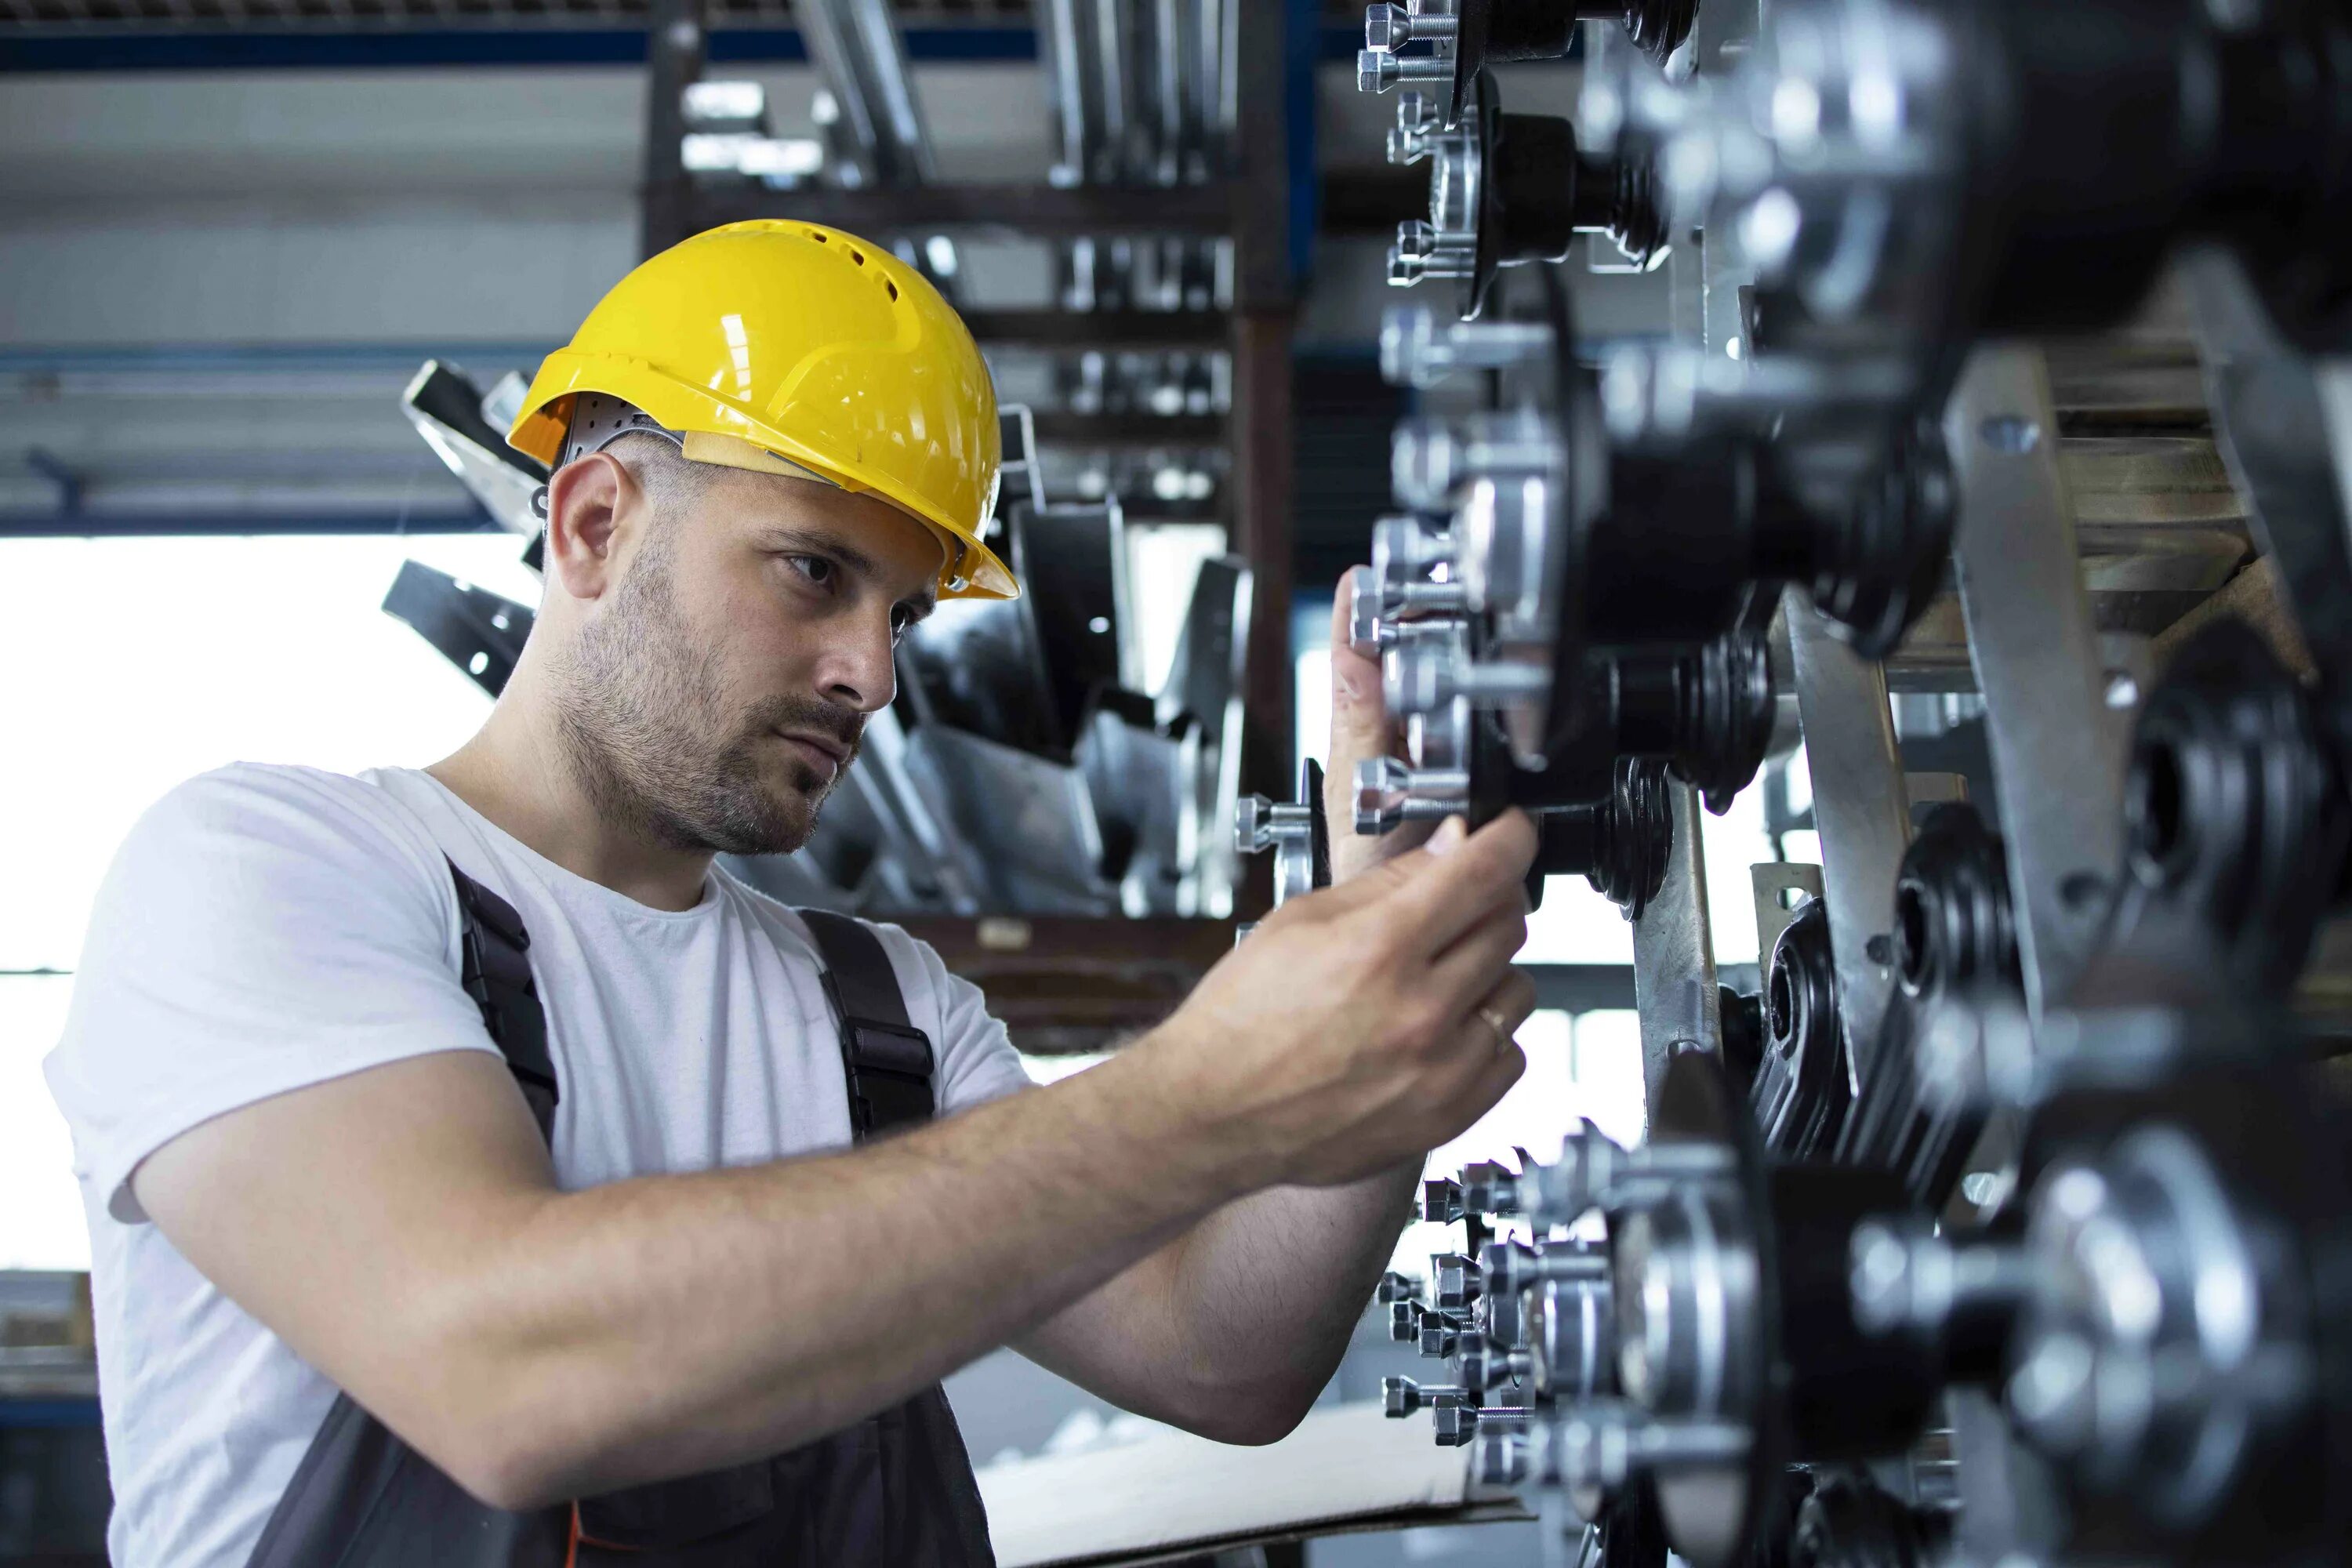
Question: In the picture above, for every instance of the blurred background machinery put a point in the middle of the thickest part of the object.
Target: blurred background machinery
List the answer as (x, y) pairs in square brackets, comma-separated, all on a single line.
[(2004, 1223), (1899, 442)]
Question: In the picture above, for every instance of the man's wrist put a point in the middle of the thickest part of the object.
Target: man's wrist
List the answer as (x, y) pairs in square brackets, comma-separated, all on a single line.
[(1166, 1085)]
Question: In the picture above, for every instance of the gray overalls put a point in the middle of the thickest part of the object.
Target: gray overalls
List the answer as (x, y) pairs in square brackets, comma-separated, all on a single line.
[(894, 1491)]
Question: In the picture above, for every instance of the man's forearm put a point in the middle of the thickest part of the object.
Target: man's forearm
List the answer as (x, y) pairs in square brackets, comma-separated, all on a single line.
[(1271, 1286), (673, 1324)]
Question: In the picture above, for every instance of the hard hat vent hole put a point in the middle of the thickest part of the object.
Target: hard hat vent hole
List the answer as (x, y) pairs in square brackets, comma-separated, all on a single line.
[(892, 287), (819, 236), (858, 257)]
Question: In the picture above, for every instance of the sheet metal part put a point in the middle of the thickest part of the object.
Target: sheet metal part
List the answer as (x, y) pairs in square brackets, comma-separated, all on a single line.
[(2037, 660), (1675, 988), (1861, 813)]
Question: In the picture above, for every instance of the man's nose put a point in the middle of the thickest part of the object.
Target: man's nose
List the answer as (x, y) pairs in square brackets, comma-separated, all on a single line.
[(859, 669)]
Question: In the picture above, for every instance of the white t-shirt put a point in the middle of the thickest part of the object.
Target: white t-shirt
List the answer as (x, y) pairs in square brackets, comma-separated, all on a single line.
[(267, 928)]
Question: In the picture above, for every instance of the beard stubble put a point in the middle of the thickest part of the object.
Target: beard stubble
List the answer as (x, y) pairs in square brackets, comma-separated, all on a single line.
[(647, 731)]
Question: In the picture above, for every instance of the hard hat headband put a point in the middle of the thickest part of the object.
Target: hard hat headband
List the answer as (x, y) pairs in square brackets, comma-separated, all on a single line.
[(599, 419)]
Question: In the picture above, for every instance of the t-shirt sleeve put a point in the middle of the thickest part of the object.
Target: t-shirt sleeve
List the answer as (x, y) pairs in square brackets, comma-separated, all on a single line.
[(976, 1061), (260, 930)]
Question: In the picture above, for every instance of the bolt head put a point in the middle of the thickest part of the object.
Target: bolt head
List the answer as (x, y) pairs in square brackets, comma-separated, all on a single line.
[(1386, 27), (1456, 1424), (1404, 1323), (1490, 1188), (1376, 71), (1408, 341), (1506, 1265), (1400, 1397), (1417, 676), (1368, 633), (1382, 787), (1498, 1459), (1253, 824), (1454, 1281)]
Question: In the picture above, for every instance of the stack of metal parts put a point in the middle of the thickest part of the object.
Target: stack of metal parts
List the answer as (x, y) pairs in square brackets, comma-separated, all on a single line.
[(1143, 96), (1136, 95), (2007, 1224), (1021, 769), (869, 120)]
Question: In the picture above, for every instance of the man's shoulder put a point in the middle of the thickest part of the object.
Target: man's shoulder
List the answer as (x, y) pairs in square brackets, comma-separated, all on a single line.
[(244, 787), (266, 813)]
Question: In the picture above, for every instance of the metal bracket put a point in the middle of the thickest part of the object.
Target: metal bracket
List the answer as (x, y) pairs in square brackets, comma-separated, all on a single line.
[(480, 632), (2057, 749), (1862, 813), (2284, 423), (1771, 879), (1673, 955)]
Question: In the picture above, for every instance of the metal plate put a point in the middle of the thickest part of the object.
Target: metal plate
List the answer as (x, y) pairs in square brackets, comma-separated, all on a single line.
[(2037, 661)]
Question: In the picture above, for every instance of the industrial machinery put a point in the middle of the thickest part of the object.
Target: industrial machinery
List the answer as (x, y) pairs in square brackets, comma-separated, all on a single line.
[(2009, 1224)]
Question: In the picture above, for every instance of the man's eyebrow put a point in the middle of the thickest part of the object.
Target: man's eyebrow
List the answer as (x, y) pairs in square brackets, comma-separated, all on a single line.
[(785, 538), (841, 549)]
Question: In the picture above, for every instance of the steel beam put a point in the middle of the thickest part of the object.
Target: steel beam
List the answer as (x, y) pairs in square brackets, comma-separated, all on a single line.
[(1674, 986), (674, 41), (1108, 330), (2057, 749), (1862, 815), (1034, 210)]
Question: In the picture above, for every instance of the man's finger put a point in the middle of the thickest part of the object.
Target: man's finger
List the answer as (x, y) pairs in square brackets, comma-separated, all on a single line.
[(1468, 972), (1450, 888), (1361, 726)]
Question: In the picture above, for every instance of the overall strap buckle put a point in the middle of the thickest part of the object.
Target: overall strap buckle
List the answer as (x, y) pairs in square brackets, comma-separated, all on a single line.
[(888, 1062)]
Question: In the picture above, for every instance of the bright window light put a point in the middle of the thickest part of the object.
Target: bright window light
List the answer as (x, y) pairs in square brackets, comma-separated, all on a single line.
[(142, 662)]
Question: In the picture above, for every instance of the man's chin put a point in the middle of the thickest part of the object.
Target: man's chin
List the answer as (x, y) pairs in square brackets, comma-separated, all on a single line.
[(792, 814)]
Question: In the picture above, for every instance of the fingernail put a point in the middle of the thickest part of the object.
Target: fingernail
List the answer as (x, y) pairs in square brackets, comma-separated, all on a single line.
[(1450, 833)]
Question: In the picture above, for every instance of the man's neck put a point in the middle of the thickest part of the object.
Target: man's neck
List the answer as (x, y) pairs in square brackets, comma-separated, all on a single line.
[(514, 772)]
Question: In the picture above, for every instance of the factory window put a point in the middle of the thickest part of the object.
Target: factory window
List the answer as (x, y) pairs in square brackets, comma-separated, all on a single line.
[(141, 662)]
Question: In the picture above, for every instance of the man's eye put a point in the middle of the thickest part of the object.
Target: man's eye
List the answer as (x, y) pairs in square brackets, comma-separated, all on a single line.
[(815, 568), (901, 619)]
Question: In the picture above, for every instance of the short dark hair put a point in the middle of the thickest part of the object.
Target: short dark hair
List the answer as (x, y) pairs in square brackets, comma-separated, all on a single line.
[(661, 471)]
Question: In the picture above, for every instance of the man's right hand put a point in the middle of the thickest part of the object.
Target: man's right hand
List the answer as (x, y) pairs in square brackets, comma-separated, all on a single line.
[(1361, 1026)]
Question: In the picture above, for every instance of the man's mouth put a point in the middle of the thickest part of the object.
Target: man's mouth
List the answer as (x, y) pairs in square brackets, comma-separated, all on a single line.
[(821, 750)]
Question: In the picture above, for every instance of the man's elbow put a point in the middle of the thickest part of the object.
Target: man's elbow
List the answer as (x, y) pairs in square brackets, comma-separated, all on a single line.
[(505, 1470), (1252, 1420)]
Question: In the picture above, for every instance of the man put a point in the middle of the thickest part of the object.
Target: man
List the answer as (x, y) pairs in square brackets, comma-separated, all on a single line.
[(477, 1175)]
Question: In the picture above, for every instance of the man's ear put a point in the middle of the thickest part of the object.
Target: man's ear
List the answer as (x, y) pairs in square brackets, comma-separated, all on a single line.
[(585, 500)]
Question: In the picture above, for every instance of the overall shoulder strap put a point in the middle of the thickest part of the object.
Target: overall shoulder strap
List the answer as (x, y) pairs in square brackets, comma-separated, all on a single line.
[(497, 975), (886, 1060)]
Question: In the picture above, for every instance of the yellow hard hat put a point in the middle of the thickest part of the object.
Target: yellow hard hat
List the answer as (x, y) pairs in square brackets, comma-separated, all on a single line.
[(791, 348)]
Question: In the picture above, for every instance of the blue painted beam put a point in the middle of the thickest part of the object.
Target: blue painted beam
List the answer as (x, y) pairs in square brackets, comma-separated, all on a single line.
[(319, 49), (24, 51), (48, 1413), (227, 523)]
